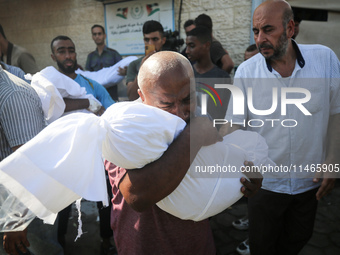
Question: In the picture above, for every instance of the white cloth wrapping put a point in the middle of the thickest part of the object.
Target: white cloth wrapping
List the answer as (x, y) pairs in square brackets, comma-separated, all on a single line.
[(51, 87), (108, 76), (64, 162), (203, 194)]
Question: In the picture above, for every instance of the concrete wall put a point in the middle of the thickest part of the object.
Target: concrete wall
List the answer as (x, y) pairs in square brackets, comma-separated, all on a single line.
[(34, 23), (231, 22)]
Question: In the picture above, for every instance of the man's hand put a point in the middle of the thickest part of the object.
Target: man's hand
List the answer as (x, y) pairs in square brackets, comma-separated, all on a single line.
[(122, 71), (329, 170), (13, 240), (100, 111), (327, 183), (251, 187)]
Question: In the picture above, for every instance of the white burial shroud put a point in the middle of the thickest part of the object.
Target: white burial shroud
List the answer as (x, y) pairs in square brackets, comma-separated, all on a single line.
[(108, 76), (51, 87), (64, 162)]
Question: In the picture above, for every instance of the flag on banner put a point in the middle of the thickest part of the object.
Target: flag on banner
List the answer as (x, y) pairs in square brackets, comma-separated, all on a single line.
[(152, 8), (122, 12)]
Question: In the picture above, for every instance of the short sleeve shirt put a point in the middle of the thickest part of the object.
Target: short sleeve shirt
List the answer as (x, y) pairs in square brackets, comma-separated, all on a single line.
[(109, 57), (133, 69), (97, 90), (21, 115), (217, 52), (154, 231)]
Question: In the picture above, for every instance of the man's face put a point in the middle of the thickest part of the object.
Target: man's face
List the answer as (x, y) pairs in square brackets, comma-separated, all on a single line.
[(156, 39), (98, 36), (189, 28), (173, 93), (195, 49), (270, 35), (64, 53)]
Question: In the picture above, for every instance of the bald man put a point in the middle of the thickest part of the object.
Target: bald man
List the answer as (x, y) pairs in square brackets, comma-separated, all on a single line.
[(166, 81), (281, 215)]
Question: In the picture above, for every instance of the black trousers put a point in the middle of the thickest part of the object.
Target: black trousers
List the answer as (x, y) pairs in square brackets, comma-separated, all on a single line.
[(280, 224), (104, 215)]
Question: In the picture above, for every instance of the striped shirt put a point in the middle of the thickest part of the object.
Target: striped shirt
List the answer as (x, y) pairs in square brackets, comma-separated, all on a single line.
[(21, 115), (16, 71)]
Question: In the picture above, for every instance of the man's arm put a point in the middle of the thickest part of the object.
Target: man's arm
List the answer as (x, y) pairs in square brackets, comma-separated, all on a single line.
[(332, 156), (227, 63), (18, 239), (146, 186), (131, 78), (80, 104), (227, 129), (76, 104), (220, 57)]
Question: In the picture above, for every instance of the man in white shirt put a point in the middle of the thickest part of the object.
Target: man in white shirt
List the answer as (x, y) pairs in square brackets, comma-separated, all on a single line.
[(301, 133)]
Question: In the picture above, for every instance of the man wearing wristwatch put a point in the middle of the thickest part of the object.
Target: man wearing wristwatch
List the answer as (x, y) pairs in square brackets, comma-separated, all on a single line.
[(64, 54)]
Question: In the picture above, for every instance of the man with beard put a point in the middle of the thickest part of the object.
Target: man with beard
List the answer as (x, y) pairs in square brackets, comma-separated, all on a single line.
[(64, 53), (282, 214)]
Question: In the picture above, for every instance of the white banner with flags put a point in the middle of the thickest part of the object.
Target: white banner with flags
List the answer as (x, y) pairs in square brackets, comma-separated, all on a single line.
[(124, 22)]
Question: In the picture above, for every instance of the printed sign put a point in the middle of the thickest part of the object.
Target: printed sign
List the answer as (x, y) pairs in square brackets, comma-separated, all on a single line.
[(124, 22)]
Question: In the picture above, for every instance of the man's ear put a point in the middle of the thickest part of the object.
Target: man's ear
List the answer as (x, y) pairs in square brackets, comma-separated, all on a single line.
[(290, 28), (207, 45), (53, 57), (140, 93), (163, 40)]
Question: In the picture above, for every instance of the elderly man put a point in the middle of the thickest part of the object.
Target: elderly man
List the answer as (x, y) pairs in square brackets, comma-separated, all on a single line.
[(140, 227), (301, 136)]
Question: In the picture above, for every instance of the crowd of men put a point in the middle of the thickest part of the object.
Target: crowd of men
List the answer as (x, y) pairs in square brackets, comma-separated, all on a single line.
[(281, 209)]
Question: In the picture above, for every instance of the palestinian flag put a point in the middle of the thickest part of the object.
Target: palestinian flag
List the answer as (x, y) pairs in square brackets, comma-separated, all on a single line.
[(122, 12), (152, 8)]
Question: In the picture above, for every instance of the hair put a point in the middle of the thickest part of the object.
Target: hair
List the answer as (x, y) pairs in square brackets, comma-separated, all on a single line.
[(188, 23), (2, 32), (204, 20), (96, 25), (152, 26), (287, 16), (202, 33), (251, 48), (59, 37)]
